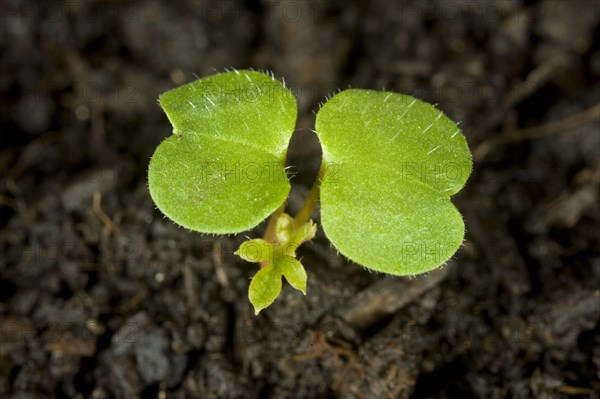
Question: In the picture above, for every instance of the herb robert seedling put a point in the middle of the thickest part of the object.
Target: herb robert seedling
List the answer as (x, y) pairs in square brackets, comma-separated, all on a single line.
[(397, 159)]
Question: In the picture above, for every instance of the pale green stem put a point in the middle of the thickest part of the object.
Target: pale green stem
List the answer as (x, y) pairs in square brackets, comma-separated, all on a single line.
[(270, 230), (302, 216), (311, 199)]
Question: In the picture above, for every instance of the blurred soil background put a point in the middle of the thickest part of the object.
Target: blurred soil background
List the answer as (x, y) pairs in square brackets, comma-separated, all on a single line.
[(101, 297)]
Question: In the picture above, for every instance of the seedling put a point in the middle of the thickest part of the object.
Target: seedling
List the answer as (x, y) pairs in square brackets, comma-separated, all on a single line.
[(390, 165)]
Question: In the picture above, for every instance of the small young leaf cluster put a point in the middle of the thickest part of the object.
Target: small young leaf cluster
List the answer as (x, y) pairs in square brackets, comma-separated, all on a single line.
[(278, 259), (390, 165)]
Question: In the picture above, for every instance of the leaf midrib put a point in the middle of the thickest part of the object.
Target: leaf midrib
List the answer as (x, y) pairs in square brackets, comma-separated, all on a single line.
[(382, 166), (279, 154)]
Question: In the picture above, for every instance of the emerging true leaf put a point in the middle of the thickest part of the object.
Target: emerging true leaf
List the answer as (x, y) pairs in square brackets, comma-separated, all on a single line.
[(392, 162), (294, 273), (222, 170), (265, 287), (255, 250), (278, 260)]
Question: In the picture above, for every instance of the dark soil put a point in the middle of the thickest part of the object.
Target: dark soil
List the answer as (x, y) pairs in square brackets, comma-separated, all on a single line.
[(102, 297)]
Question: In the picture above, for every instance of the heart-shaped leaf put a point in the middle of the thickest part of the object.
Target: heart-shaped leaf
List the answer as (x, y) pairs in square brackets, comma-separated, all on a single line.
[(391, 164), (222, 170)]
